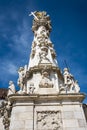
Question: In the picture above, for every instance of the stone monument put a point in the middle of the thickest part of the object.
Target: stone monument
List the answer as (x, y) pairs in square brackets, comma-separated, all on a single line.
[(48, 99)]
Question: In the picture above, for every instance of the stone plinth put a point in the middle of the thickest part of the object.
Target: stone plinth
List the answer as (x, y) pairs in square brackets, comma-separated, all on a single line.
[(49, 112)]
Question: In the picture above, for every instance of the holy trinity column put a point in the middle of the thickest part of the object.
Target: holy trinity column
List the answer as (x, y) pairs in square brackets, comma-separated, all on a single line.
[(46, 95), (43, 70)]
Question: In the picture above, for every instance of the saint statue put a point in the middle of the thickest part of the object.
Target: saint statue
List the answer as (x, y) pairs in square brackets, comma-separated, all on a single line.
[(11, 88)]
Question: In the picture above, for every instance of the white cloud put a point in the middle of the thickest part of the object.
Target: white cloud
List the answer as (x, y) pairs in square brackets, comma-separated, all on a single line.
[(7, 67), (18, 40), (12, 69), (22, 37), (8, 71)]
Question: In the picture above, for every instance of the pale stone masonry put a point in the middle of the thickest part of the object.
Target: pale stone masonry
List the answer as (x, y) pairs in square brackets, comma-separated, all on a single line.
[(48, 99)]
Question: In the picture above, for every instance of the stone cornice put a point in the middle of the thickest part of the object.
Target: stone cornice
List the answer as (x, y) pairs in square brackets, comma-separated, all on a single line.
[(40, 67), (51, 97)]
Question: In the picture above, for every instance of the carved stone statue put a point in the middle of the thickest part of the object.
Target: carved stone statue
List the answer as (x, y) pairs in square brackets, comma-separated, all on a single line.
[(68, 80), (31, 88), (45, 82), (77, 88), (11, 88), (40, 18), (43, 57), (70, 83), (21, 78), (41, 36)]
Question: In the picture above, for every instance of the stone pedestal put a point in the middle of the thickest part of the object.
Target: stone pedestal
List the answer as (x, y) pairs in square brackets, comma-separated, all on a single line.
[(49, 112)]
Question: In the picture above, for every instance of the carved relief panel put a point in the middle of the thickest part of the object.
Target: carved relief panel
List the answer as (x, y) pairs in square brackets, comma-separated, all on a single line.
[(49, 120)]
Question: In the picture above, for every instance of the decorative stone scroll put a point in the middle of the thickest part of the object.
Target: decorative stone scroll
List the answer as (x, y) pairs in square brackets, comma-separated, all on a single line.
[(49, 120)]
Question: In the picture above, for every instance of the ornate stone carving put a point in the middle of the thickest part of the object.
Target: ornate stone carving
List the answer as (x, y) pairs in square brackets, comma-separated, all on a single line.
[(42, 48), (70, 83), (45, 81), (41, 37), (21, 79), (53, 53), (30, 89), (62, 88), (40, 18), (76, 88), (5, 112), (49, 120), (11, 88), (43, 55)]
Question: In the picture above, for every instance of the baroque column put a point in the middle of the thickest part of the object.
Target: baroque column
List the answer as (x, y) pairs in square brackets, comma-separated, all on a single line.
[(48, 99)]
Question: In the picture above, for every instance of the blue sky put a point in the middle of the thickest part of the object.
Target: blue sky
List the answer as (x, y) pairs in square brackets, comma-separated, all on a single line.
[(69, 36)]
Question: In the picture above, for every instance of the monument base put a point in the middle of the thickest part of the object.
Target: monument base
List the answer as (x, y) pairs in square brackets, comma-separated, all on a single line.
[(49, 112)]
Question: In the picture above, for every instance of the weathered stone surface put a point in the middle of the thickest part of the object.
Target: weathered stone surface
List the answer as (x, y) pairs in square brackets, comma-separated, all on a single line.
[(43, 112), (70, 123), (74, 128), (23, 108), (19, 116), (81, 122), (78, 115), (68, 115), (18, 124), (29, 124)]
